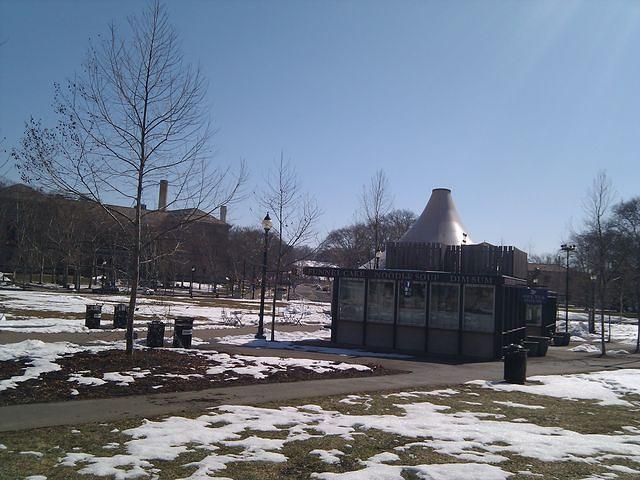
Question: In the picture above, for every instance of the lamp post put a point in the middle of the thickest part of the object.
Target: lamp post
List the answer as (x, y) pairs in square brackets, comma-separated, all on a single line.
[(104, 272), (378, 256), (592, 315), (266, 225), (568, 249), (193, 270)]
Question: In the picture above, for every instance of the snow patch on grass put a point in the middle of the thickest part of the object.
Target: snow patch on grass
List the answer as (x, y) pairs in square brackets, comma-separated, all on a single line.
[(519, 405), (328, 456), (605, 387), (474, 438)]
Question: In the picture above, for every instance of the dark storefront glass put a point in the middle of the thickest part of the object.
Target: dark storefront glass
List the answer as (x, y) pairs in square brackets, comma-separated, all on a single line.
[(351, 300), (412, 303), (444, 306), (478, 308), (380, 301), (534, 315)]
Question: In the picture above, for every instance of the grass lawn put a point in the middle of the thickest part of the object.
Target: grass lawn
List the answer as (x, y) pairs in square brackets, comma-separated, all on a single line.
[(365, 439)]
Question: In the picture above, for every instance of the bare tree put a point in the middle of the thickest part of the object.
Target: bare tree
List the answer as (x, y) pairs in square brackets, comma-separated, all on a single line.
[(597, 209), (627, 222), (136, 114), (376, 202), (294, 215)]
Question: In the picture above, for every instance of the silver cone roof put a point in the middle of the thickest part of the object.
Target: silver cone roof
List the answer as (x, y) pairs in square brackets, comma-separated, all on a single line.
[(439, 222)]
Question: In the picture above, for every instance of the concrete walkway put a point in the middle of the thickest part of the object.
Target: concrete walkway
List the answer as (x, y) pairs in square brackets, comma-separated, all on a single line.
[(420, 373)]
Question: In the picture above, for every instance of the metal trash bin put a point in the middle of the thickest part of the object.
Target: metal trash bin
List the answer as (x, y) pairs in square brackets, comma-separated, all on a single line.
[(183, 332), (92, 316), (561, 339), (540, 347), (120, 315), (515, 364), (155, 334)]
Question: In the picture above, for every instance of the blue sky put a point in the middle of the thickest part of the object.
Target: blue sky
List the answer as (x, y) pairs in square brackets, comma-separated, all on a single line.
[(514, 105)]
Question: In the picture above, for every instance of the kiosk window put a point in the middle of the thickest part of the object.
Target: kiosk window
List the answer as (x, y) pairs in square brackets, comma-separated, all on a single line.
[(380, 301), (478, 308), (351, 300), (412, 303), (534, 315), (444, 306)]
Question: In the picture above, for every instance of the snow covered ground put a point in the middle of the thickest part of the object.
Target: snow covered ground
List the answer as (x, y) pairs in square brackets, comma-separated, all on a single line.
[(287, 341), (479, 444), (59, 306), (607, 388), (625, 332), (42, 357)]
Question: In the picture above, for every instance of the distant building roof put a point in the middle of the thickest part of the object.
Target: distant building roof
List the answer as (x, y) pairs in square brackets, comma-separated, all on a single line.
[(20, 190)]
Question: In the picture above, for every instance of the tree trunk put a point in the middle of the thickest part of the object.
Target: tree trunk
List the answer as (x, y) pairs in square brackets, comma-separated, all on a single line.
[(638, 313), (602, 304), (41, 270), (135, 264), (93, 271)]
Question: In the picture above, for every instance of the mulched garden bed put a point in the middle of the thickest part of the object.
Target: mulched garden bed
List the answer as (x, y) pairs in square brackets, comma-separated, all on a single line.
[(55, 386), (11, 369)]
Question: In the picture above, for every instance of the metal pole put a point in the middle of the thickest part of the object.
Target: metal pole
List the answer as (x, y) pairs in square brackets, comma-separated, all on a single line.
[(566, 298), (621, 306), (592, 316), (191, 284), (244, 272), (260, 333)]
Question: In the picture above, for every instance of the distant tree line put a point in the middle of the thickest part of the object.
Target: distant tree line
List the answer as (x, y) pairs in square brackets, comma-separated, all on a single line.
[(608, 250), (605, 266)]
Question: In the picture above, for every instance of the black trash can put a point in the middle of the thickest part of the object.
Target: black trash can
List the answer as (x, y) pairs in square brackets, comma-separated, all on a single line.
[(183, 332), (155, 334), (561, 339), (515, 364), (92, 316), (541, 345), (120, 315)]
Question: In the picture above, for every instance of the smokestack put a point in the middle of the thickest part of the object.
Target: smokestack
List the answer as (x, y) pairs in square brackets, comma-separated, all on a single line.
[(223, 213), (439, 222), (162, 197)]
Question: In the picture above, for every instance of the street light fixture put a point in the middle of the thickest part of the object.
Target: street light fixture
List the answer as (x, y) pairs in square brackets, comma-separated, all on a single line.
[(266, 225), (568, 248), (193, 270)]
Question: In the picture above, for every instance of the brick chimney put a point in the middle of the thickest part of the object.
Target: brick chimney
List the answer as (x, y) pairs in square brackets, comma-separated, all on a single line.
[(223, 213), (162, 197)]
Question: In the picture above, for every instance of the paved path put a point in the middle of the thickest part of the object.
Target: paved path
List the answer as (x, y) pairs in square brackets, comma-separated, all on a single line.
[(420, 373)]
